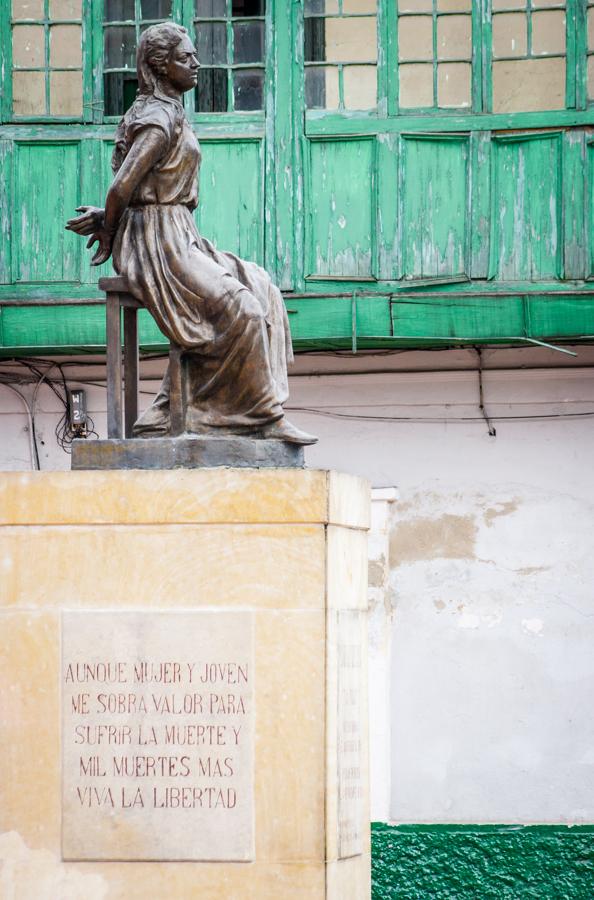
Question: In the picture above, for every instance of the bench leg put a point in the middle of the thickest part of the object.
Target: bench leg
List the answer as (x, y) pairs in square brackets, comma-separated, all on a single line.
[(114, 366), (177, 406), (130, 369)]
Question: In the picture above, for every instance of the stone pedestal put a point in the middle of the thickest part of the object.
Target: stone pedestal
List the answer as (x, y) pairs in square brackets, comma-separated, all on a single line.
[(183, 685)]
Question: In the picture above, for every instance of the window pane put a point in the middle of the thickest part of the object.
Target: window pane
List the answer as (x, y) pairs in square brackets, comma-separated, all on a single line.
[(319, 7), (416, 86), (65, 93), (248, 87), (248, 42), (509, 34), (27, 9), (118, 10), (208, 8), (548, 32), (591, 29), (453, 85), (65, 9), (360, 91), (241, 8), (528, 84), (321, 88), (119, 91), (415, 38), (28, 93), (415, 6), (28, 46), (65, 46), (351, 40), (120, 47), (456, 5), (315, 39), (211, 91), (591, 77), (454, 37), (211, 43), (155, 9), (359, 6)]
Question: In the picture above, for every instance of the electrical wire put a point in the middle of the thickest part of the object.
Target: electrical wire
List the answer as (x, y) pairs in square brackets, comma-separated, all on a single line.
[(34, 455)]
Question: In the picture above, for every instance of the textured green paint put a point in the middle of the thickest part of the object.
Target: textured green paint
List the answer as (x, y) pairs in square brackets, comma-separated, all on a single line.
[(341, 209), (526, 208), (45, 194), (474, 862), (435, 187), (231, 210), (331, 202)]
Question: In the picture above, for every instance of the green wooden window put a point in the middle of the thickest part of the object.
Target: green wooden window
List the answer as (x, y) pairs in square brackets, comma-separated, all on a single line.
[(590, 50), (230, 39), (340, 54), (47, 59), (123, 23), (528, 55), (435, 54)]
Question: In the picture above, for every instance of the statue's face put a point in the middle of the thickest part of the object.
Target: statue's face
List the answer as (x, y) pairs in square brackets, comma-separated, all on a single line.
[(182, 67)]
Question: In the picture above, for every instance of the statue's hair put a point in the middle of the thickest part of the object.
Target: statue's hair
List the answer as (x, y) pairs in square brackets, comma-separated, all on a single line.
[(154, 49)]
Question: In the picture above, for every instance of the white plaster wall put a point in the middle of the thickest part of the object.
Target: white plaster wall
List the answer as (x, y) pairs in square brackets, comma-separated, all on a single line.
[(481, 570)]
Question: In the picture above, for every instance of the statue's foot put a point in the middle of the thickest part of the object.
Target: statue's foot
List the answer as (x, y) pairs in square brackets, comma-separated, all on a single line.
[(282, 430)]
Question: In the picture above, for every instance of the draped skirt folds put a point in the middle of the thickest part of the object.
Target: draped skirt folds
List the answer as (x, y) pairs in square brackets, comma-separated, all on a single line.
[(224, 311)]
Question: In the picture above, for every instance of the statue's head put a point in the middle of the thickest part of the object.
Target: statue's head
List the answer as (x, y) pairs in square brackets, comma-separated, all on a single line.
[(165, 52)]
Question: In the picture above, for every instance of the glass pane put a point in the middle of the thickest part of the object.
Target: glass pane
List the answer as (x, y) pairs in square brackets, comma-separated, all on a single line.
[(509, 34), (415, 38), (248, 88), (28, 46), (591, 29), (454, 85), (359, 6), (211, 91), (454, 5), (27, 9), (65, 9), (65, 45), (320, 7), (241, 8), (208, 8), (360, 87), (508, 4), (315, 39), (155, 9), (415, 6), (416, 86), (321, 88), (211, 43), (548, 33), (120, 47), (454, 37), (119, 91), (351, 40), (528, 85), (28, 93), (118, 10), (65, 93), (591, 77), (248, 42)]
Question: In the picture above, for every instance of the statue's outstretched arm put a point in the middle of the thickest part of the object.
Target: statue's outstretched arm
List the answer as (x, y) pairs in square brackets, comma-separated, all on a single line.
[(101, 224)]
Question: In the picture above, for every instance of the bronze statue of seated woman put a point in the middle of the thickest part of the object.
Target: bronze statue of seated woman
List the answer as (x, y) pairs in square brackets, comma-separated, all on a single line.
[(223, 311)]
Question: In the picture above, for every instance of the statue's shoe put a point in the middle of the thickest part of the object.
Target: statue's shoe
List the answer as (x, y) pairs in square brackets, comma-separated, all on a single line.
[(282, 430)]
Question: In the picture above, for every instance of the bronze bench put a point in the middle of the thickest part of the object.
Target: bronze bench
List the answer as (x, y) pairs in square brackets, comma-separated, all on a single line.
[(122, 407)]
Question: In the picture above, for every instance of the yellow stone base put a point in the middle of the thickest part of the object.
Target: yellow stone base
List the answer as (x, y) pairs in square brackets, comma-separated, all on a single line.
[(288, 545)]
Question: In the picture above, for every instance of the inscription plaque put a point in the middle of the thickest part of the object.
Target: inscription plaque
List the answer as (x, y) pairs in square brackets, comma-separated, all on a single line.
[(157, 735), (350, 737)]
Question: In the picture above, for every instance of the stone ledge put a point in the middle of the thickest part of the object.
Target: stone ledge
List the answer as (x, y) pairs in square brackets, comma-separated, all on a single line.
[(186, 452)]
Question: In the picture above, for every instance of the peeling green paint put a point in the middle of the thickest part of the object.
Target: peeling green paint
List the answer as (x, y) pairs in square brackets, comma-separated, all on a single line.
[(468, 862)]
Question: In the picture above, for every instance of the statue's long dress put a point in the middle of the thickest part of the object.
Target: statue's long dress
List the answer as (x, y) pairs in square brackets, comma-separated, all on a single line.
[(224, 310)]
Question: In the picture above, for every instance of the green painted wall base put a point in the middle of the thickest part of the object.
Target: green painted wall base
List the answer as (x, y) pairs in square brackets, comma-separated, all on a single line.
[(477, 862)]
